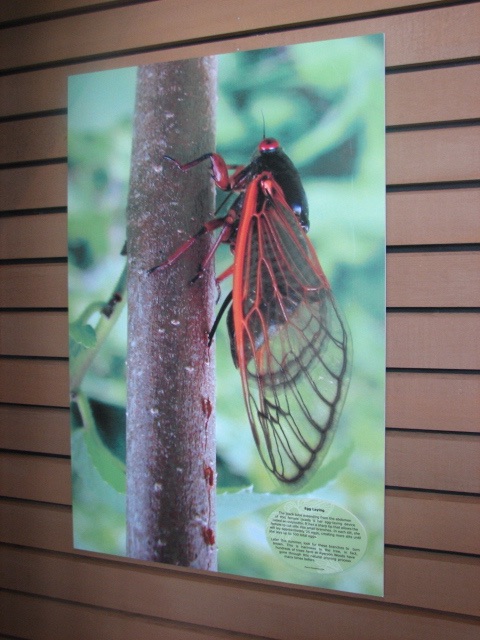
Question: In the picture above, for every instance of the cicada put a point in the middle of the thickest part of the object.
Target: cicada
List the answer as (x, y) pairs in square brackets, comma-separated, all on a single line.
[(287, 335)]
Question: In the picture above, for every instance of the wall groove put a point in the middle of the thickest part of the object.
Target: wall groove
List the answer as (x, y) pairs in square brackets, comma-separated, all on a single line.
[(66, 13), (33, 114)]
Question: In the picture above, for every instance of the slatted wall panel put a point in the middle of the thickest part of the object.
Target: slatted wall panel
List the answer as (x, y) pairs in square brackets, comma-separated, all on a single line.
[(433, 387)]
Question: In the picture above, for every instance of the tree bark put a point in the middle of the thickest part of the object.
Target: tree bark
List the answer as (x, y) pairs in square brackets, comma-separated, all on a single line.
[(170, 424)]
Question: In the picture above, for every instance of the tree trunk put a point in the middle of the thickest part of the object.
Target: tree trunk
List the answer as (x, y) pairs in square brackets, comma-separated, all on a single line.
[(170, 425)]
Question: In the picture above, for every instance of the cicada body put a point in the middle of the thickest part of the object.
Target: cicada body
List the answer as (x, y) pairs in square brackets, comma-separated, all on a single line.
[(288, 338)]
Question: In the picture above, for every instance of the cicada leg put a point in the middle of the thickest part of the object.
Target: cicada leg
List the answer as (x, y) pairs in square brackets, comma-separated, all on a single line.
[(208, 227)]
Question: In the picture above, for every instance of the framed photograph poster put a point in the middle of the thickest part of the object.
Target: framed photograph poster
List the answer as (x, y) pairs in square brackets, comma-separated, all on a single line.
[(227, 312)]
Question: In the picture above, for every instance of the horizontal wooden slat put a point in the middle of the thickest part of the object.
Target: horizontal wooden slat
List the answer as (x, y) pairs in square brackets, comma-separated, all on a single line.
[(453, 466), (428, 401), (42, 618), (35, 429), (33, 285), (414, 340), (433, 155), (452, 461), (443, 216), (35, 524), (448, 216), (429, 585), (419, 520), (33, 617), (33, 236), (34, 334), (436, 279), (433, 401), (410, 37), (41, 187), (433, 340), (419, 97), (32, 477), (414, 579), (33, 139), (37, 382), (33, 8), (432, 521), (37, 91)]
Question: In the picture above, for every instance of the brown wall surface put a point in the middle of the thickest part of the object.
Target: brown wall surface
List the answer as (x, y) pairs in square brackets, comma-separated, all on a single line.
[(432, 573)]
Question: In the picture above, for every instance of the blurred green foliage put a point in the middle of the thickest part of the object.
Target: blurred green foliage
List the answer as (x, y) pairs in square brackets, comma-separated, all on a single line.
[(325, 103), (100, 113)]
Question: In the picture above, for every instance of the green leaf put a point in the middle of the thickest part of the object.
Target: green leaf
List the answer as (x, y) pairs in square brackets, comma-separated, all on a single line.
[(111, 469), (243, 502), (83, 334)]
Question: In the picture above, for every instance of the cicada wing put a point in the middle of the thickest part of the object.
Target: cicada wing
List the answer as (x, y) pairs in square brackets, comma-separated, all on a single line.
[(290, 340)]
